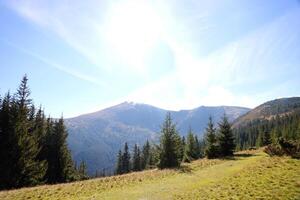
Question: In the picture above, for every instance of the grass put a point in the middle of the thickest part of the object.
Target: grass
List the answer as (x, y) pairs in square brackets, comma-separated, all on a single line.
[(249, 175)]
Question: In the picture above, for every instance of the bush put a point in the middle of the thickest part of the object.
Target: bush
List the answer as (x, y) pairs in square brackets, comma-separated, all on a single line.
[(284, 147), (274, 150)]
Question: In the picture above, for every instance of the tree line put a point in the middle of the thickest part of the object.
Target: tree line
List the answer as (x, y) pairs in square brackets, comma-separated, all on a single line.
[(33, 148), (172, 150), (262, 132)]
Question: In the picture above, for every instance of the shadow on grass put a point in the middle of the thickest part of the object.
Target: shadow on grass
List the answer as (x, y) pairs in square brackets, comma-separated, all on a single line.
[(239, 156)]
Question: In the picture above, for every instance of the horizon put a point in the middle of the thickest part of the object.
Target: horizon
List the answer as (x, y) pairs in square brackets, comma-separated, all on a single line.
[(84, 57)]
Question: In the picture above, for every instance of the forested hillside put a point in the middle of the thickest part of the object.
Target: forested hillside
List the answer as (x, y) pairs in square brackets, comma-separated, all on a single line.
[(268, 122)]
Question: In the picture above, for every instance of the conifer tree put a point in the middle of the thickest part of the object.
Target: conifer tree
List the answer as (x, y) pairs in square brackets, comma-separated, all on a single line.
[(136, 159), (7, 142), (190, 147), (212, 147), (170, 142), (28, 170), (82, 170), (126, 159), (267, 138), (61, 167), (119, 167), (145, 157), (29, 144), (226, 138), (198, 152)]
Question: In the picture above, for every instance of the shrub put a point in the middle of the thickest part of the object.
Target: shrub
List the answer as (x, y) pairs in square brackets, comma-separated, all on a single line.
[(284, 147), (274, 150)]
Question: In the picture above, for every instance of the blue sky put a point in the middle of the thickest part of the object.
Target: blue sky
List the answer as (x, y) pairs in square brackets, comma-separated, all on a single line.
[(82, 56)]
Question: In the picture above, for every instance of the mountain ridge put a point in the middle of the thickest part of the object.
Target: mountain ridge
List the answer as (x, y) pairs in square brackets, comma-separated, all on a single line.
[(96, 137), (269, 109)]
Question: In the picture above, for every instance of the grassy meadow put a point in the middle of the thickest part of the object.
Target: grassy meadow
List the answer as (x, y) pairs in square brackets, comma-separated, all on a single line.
[(249, 175)]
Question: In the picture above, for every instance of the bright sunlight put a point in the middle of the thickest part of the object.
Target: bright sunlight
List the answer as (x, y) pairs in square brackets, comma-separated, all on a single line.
[(133, 28)]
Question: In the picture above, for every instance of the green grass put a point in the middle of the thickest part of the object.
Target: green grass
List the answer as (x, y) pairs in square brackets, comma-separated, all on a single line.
[(250, 175)]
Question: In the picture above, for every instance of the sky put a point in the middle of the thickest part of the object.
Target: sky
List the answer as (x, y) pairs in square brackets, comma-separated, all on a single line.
[(83, 56)]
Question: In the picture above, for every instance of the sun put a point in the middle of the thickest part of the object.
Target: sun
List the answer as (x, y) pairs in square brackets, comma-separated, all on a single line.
[(132, 29)]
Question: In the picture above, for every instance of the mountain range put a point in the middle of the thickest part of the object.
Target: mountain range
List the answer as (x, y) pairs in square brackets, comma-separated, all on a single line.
[(97, 137)]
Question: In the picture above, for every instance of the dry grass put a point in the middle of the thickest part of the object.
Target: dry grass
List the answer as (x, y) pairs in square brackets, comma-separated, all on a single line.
[(250, 175)]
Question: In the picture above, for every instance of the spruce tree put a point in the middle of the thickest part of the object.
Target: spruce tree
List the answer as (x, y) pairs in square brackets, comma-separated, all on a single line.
[(182, 149), (190, 147), (7, 143), (136, 159), (170, 142), (145, 157), (61, 167), (29, 144), (198, 152), (267, 138), (226, 137), (211, 143), (119, 166), (28, 170), (126, 159), (82, 171)]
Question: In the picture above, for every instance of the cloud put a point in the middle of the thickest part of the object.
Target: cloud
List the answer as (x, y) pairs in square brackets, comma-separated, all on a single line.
[(225, 75), (62, 68)]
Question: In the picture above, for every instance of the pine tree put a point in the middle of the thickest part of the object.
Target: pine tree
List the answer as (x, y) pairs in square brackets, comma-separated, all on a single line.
[(39, 132), (7, 143), (29, 144), (28, 170), (136, 159), (190, 147), (212, 147), (119, 166), (82, 171), (61, 167), (198, 150), (182, 149), (226, 138), (145, 157), (126, 159), (267, 138), (170, 142)]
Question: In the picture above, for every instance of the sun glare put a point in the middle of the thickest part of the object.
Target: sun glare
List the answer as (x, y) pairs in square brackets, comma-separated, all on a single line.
[(133, 27)]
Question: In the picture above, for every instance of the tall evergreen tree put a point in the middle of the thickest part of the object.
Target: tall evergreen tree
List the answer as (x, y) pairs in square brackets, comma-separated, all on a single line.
[(126, 159), (29, 144), (145, 157), (7, 143), (226, 137), (182, 149), (170, 142), (198, 150), (190, 147), (211, 143), (28, 170), (119, 166), (136, 159), (61, 167), (82, 170), (267, 138)]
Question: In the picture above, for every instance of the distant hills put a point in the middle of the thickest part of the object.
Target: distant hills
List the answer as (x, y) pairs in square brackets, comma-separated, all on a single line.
[(269, 110), (97, 137)]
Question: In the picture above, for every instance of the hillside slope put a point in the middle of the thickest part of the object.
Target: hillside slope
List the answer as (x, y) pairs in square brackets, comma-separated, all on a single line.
[(270, 109), (251, 175), (97, 137)]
